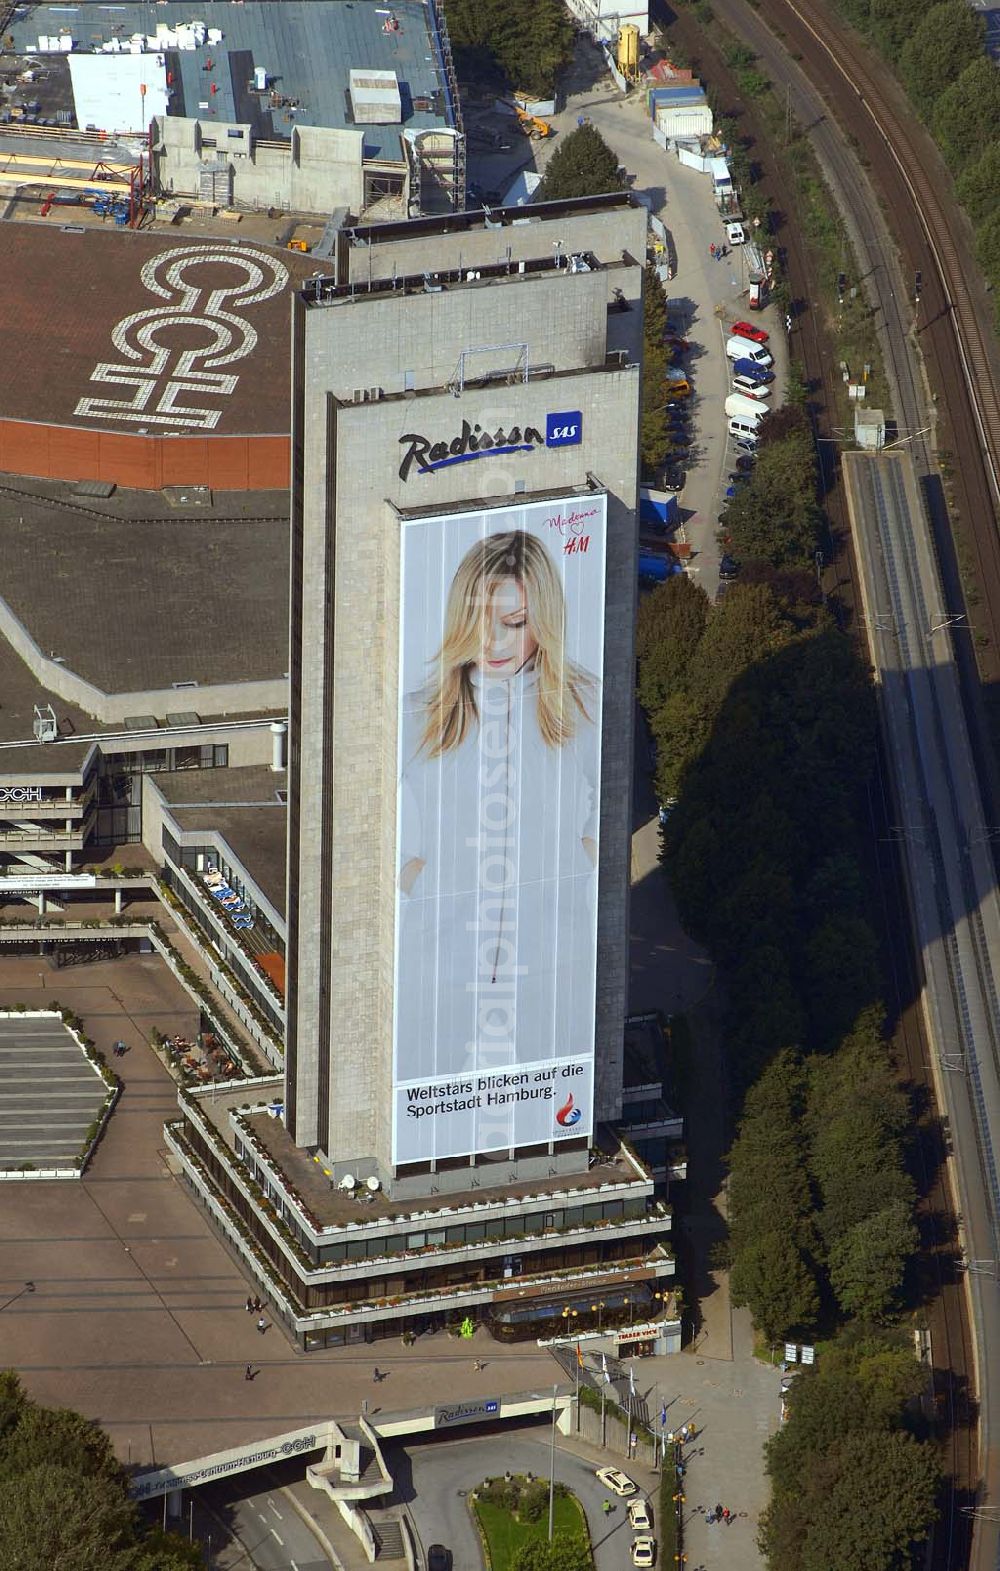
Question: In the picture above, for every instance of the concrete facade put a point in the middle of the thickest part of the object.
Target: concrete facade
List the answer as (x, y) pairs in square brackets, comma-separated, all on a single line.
[(369, 366)]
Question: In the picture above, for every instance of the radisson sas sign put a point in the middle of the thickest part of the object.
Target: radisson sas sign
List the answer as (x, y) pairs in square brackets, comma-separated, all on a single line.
[(561, 430)]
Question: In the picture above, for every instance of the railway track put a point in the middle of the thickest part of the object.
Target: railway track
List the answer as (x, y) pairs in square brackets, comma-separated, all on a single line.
[(941, 1284)]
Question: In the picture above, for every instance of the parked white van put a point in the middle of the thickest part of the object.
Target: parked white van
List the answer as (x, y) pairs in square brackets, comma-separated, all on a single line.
[(740, 407), (743, 349), (744, 430), (743, 384)]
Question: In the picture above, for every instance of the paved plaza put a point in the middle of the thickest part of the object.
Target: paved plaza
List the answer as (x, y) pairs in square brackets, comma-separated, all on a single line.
[(138, 1318)]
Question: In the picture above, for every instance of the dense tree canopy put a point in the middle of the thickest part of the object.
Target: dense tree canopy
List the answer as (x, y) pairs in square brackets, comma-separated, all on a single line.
[(967, 114), (652, 400), (65, 1496), (946, 39), (523, 44), (850, 1487), (978, 185)]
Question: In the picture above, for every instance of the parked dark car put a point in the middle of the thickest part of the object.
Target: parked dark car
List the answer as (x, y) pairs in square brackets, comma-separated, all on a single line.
[(438, 1558), (728, 568)]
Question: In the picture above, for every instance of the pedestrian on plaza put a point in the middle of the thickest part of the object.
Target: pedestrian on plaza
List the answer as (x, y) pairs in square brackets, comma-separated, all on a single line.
[(711, 250), (726, 1514), (257, 1306), (477, 1364), (709, 1517), (249, 1305), (606, 1507), (376, 1374), (262, 1325), (249, 1372)]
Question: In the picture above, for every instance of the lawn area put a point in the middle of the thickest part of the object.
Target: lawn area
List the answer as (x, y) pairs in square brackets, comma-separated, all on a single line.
[(505, 1533)]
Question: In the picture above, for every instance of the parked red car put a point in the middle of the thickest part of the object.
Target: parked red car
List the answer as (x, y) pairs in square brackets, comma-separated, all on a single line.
[(744, 330)]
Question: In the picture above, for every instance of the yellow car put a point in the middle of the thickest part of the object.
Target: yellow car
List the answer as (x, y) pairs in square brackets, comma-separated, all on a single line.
[(676, 391)]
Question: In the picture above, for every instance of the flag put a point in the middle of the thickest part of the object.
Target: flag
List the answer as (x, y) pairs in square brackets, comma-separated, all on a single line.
[(604, 1369), (631, 1382), (579, 1356), (663, 1416)]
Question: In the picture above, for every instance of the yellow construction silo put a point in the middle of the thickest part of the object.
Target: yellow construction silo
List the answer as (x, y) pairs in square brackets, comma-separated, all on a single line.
[(628, 51)]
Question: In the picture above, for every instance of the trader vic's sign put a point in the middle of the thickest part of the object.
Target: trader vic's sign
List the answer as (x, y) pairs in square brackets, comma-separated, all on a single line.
[(561, 430)]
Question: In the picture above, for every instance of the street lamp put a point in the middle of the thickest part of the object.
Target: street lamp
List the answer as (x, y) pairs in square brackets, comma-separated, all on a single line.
[(29, 1287), (598, 1310), (552, 1463)]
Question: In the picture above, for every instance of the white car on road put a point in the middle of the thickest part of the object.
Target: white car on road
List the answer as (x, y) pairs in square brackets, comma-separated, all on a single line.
[(618, 1483), (639, 1517), (643, 1551)]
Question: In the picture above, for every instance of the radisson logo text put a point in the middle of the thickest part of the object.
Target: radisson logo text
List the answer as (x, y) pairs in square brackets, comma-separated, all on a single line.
[(561, 430)]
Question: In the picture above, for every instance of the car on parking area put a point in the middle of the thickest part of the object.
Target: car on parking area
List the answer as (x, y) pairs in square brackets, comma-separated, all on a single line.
[(756, 335), (639, 1515), (676, 393), (619, 1483), (735, 233), (438, 1558), (728, 567), (674, 341), (643, 1551), (745, 463)]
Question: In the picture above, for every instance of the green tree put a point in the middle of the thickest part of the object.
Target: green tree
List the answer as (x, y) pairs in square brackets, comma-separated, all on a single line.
[(843, 974), (978, 185), (775, 517), (967, 113), (867, 1263), (582, 165), (945, 40), (872, 1502), (670, 623), (66, 1504), (523, 44), (772, 1278), (570, 1553), (988, 244), (652, 396)]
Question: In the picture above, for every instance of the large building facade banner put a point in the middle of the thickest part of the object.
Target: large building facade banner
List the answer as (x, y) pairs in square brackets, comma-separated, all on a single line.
[(498, 827)]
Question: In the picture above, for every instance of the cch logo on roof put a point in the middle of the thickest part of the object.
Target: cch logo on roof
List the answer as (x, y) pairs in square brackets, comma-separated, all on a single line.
[(561, 430)]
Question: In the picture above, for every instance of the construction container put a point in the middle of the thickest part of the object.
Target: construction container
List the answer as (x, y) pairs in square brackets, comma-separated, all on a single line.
[(692, 119)]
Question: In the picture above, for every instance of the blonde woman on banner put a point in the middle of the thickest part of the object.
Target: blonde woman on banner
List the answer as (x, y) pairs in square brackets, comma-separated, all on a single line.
[(499, 808)]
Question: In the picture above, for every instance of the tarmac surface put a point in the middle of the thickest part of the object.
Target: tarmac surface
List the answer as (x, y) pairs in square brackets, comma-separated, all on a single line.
[(704, 295)]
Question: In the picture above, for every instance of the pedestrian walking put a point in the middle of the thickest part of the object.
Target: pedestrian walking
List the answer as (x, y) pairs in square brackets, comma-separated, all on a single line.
[(249, 1372), (606, 1507), (376, 1374), (257, 1306), (249, 1306), (711, 249), (726, 1514), (262, 1325), (709, 1517), (718, 1513)]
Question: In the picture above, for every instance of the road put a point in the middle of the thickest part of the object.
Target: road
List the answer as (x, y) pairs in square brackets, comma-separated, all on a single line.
[(265, 1523), (435, 1480), (703, 294)]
